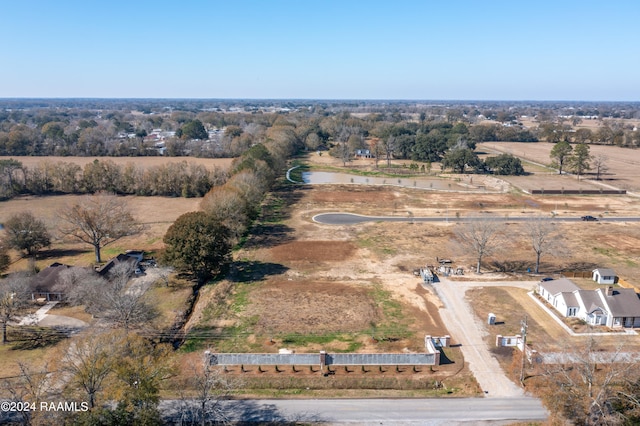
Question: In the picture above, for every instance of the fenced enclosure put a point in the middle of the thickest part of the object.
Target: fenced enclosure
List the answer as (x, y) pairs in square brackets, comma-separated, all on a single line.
[(431, 356)]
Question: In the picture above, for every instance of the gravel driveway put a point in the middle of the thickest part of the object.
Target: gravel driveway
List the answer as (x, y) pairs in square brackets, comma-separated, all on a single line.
[(469, 332)]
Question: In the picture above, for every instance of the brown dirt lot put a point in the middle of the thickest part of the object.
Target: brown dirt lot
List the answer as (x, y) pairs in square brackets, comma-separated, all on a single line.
[(313, 307), (356, 195), (313, 251)]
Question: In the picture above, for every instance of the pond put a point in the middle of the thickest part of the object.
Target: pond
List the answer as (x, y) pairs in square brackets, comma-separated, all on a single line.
[(434, 183)]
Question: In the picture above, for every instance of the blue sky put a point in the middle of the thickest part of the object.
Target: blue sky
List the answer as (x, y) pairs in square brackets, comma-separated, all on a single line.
[(483, 50)]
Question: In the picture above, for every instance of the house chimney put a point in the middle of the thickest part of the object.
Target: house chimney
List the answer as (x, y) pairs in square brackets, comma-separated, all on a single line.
[(609, 291)]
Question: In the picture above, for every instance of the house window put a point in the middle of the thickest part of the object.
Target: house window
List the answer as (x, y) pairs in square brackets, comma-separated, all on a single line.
[(572, 312)]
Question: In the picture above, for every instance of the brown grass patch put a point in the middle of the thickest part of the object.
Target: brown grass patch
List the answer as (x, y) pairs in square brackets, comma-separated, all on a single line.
[(316, 251), (312, 307), (156, 213), (141, 162), (357, 195)]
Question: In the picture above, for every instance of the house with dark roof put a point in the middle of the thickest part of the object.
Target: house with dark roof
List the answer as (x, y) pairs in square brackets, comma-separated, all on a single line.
[(43, 285), (614, 308), (122, 258), (47, 285)]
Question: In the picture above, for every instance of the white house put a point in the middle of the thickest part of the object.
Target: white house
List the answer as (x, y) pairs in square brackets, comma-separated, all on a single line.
[(363, 153), (604, 276), (610, 307), (560, 294)]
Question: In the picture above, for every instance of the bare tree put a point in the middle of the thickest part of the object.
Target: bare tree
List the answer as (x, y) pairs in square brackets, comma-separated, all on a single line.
[(80, 286), (99, 220), (587, 384), (5, 259), (482, 237), (89, 360), (206, 386), (8, 179), (389, 145), (345, 153), (33, 384), (14, 295), (544, 238), (376, 150), (227, 206), (599, 162), (121, 305)]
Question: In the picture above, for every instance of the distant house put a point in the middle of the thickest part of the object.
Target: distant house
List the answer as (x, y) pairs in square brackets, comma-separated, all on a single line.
[(363, 153), (604, 276), (610, 307)]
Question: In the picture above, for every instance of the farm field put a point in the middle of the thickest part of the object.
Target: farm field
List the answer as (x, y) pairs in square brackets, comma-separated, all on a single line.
[(143, 162), (623, 165), (531, 122)]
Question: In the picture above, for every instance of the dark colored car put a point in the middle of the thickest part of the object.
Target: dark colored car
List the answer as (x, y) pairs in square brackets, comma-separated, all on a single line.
[(589, 218), (545, 279)]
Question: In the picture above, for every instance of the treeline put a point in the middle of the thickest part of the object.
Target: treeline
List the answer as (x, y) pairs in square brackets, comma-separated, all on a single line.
[(227, 128), (175, 179), (608, 133), (200, 243)]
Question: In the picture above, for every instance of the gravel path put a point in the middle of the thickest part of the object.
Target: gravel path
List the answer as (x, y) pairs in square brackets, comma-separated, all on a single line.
[(469, 332)]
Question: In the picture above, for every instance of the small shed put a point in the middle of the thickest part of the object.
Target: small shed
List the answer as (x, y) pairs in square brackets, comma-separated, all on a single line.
[(604, 276)]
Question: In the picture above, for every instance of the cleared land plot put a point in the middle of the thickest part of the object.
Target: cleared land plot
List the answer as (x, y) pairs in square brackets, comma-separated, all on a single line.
[(313, 251), (313, 307)]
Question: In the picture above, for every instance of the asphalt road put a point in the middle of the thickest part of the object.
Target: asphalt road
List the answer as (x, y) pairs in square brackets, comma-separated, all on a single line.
[(353, 219), (437, 411)]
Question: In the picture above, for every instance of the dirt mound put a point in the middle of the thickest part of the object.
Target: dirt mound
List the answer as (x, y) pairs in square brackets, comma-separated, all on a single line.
[(312, 307), (316, 251)]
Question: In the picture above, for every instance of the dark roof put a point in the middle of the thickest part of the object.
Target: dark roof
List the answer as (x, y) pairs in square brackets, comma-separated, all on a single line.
[(46, 279), (121, 258), (623, 303)]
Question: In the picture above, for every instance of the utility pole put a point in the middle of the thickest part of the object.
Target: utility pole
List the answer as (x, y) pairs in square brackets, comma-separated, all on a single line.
[(523, 330)]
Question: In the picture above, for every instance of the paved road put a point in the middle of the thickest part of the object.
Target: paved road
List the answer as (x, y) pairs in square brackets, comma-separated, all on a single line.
[(353, 219), (437, 411)]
